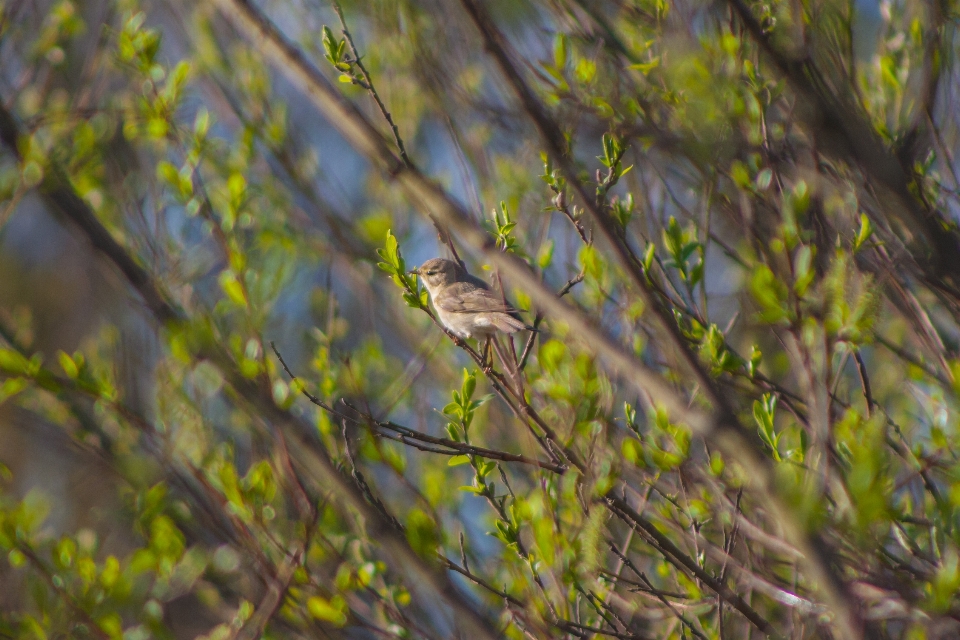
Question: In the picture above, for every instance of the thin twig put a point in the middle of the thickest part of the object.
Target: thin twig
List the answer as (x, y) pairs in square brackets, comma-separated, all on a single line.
[(357, 60), (539, 318), (367, 84), (660, 595), (864, 381), (415, 438), (678, 558)]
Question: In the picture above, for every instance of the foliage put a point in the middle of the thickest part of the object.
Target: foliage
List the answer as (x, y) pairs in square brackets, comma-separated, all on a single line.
[(739, 420)]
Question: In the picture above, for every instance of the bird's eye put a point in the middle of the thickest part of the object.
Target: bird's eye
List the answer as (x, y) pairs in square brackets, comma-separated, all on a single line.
[(431, 273)]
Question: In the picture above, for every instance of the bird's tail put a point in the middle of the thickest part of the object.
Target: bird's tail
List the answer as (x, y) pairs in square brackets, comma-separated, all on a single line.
[(509, 324)]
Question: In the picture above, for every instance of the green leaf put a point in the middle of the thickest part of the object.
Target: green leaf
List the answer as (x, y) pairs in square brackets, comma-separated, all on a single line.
[(391, 248), (803, 271), (716, 463), (551, 352), (545, 255), (864, 234), (585, 70), (648, 257), (330, 45), (560, 53), (646, 67), (323, 609), (69, 367), (453, 409), (236, 186), (168, 173), (13, 362), (469, 384), (739, 174), (801, 197), (770, 293), (456, 461), (10, 388), (232, 288), (16, 558), (422, 533), (201, 123)]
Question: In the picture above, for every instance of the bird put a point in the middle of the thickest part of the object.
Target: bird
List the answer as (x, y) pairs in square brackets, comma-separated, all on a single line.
[(465, 304)]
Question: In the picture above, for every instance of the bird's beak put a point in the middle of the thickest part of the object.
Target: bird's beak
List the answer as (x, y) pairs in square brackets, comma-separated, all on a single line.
[(415, 271)]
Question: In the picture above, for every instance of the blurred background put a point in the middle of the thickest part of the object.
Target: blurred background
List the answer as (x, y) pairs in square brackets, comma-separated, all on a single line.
[(146, 494)]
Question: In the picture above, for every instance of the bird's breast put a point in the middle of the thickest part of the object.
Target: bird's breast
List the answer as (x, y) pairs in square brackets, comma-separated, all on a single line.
[(459, 324)]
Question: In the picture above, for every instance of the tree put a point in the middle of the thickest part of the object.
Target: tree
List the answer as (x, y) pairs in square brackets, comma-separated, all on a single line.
[(230, 412)]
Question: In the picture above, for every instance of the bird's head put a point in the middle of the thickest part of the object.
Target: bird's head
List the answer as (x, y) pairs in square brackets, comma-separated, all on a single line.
[(437, 272)]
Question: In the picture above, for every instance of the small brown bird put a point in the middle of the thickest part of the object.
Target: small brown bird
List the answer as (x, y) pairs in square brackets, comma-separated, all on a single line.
[(465, 304)]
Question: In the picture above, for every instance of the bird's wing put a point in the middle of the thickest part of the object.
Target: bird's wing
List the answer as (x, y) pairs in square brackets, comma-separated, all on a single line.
[(465, 297)]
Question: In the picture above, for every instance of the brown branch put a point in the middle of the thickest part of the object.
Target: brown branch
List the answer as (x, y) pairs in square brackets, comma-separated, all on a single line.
[(364, 486), (368, 85), (647, 587), (585, 631), (864, 381), (571, 283), (453, 566), (414, 438)]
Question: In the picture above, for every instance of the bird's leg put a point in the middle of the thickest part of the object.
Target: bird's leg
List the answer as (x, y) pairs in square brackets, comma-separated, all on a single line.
[(486, 357)]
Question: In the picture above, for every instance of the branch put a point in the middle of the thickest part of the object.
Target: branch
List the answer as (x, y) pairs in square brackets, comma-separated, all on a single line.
[(364, 486), (53, 582), (414, 438), (647, 587), (368, 85), (864, 381), (577, 279)]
